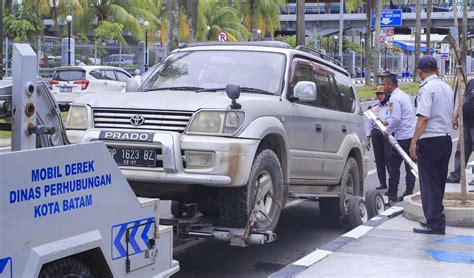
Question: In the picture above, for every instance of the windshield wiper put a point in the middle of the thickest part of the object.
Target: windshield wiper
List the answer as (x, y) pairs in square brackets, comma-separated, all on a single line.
[(246, 89), (255, 90), (181, 88)]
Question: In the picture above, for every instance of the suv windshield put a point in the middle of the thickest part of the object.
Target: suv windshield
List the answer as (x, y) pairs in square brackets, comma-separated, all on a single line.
[(215, 69), (69, 75)]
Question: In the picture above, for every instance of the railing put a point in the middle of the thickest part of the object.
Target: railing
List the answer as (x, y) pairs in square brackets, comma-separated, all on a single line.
[(334, 8)]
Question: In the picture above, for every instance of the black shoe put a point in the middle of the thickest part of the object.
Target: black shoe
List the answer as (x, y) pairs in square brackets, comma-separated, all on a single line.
[(423, 224), (403, 196), (428, 230), (381, 187), (450, 179)]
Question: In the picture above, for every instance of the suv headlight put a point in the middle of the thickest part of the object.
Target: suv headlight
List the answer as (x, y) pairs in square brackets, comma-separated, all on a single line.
[(78, 117), (217, 122)]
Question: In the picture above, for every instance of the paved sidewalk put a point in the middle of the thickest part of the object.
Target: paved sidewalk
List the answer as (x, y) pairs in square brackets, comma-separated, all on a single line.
[(5, 143), (386, 246)]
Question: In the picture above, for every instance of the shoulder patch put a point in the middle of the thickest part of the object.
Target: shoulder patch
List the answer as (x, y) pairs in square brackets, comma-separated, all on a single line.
[(390, 106)]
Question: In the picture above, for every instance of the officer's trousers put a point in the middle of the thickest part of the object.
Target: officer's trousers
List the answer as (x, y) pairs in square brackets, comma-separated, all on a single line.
[(433, 160), (382, 155), (468, 147), (394, 171)]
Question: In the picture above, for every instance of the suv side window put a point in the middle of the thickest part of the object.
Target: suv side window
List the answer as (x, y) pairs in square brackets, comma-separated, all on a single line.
[(303, 71), (327, 97), (347, 97)]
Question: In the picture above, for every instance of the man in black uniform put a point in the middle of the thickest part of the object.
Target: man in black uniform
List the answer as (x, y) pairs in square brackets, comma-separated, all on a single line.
[(468, 116), (431, 144), (382, 146)]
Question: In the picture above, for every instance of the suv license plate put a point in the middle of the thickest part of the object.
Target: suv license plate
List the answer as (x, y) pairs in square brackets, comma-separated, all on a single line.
[(133, 156), (65, 89)]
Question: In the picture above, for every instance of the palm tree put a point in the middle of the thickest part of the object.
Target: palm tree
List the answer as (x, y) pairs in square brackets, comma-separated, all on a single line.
[(376, 52), (429, 9), (220, 17), (259, 14), (417, 36), (368, 40), (1, 40), (130, 16), (192, 7), (300, 22), (172, 20)]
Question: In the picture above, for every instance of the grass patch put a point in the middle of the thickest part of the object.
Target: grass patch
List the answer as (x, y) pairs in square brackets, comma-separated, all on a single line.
[(365, 92), (7, 134)]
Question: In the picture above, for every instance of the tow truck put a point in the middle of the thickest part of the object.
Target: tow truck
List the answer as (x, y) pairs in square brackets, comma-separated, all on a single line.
[(66, 209)]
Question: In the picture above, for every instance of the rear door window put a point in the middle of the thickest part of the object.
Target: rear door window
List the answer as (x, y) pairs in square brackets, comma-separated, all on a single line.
[(122, 76), (347, 97), (326, 91), (69, 75), (109, 74), (97, 74)]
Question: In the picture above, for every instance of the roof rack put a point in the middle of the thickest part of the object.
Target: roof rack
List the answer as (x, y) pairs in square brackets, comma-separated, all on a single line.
[(277, 44), (318, 54)]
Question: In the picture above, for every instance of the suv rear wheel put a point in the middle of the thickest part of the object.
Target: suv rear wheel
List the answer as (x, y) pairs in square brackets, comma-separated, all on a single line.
[(334, 210), (264, 193)]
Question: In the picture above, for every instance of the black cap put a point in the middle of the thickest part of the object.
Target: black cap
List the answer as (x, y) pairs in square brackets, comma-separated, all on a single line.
[(427, 62)]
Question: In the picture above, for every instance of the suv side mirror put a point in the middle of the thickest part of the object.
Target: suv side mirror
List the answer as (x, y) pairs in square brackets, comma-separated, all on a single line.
[(132, 85), (233, 92), (305, 91)]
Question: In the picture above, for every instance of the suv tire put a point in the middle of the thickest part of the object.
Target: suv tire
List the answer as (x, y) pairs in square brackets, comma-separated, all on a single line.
[(334, 210), (237, 204)]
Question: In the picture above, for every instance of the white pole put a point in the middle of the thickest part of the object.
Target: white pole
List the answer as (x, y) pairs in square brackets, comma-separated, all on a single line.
[(6, 57), (341, 29)]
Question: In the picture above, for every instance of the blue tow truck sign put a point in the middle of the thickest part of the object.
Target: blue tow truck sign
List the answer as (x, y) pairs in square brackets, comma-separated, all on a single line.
[(389, 18)]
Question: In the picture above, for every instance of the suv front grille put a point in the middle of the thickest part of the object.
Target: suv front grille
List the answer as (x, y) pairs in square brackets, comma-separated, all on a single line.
[(153, 120)]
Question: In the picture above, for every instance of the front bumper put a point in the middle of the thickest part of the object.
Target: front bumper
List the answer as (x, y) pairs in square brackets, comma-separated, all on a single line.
[(232, 159)]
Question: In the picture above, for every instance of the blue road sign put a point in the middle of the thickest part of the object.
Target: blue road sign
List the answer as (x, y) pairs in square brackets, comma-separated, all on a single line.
[(389, 18)]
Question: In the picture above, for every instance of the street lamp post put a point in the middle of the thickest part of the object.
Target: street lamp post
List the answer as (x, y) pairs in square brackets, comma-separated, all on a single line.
[(259, 32), (69, 34), (208, 32), (361, 56), (146, 24), (335, 46)]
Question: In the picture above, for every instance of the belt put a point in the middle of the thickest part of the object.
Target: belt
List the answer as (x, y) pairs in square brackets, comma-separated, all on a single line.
[(433, 134)]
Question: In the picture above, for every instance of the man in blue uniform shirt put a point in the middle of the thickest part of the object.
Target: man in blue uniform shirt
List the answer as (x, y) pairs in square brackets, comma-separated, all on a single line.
[(381, 145), (432, 144), (400, 124)]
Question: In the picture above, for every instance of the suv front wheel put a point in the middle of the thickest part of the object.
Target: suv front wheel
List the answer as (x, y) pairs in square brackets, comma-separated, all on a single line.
[(263, 195)]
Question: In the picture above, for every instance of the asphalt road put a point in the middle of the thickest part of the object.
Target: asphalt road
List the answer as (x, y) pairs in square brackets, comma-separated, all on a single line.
[(300, 231)]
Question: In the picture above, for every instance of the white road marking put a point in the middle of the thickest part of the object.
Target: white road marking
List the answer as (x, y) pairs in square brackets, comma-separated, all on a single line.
[(392, 211), (312, 258), (358, 232), (294, 203)]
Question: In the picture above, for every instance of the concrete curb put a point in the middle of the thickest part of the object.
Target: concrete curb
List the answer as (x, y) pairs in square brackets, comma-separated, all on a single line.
[(327, 249), (5, 143), (457, 217)]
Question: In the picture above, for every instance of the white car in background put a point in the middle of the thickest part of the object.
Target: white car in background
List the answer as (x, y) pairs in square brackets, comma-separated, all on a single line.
[(69, 83)]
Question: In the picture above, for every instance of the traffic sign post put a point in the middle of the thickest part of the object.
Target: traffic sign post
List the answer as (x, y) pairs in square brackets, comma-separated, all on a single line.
[(222, 37), (389, 18), (445, 51)]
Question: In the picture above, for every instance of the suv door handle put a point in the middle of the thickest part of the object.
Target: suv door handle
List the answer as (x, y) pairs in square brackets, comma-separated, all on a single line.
[(344, 129), (319, 128)]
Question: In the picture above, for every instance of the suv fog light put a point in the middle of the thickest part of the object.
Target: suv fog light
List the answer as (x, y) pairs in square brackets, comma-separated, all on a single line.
[(196, 159)]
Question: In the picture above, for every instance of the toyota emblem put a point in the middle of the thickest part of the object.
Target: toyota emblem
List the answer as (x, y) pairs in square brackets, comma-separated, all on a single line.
[(137, 120)]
